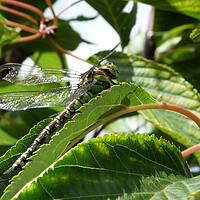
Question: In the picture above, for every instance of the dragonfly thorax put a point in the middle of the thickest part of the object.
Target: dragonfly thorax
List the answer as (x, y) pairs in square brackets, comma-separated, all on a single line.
[(106, 74), (101, 78)]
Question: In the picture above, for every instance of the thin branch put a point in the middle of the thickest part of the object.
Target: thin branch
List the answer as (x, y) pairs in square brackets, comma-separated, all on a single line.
[(27, 38), (165, 106), (191, 150), (23, 27), (45, 31), (149, 47), (26, 6), (160, 105), (21, 14), (64, 9), (63, 60), (55, 20), (57, 47)]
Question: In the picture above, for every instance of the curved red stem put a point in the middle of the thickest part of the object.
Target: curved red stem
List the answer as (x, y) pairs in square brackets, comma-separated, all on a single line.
[(191, 150), (26, 6), (21, 14)]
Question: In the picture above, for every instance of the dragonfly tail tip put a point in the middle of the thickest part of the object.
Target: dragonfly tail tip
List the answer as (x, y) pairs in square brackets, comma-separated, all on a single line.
[(8, 171)]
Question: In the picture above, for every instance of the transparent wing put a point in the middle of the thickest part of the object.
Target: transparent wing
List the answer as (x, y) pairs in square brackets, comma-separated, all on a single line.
[(21, 74), (77, 93), (45, 98), (35, 99)]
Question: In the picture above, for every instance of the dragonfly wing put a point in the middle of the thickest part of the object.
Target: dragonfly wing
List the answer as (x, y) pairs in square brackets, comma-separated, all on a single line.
[(21, 74), (77, 93), (36, 99)]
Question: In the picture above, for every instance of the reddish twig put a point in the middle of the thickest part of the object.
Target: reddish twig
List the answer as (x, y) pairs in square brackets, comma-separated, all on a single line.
[(23, 27), (62, 50), (191, 150), (64, 9), (160, 105), (21, 14), (27, 38), (55, 20), (26, 6)]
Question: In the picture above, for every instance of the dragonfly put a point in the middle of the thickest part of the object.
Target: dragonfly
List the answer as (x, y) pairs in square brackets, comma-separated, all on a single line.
[(80, 89)]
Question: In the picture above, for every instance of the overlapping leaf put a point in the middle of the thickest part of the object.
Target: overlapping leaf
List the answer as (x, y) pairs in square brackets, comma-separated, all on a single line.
[(91, 115), (164, 84), (140, 166), (187, 7)]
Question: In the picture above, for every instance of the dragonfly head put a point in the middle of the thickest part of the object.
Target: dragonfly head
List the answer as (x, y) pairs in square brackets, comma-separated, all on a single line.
[(111, 70)]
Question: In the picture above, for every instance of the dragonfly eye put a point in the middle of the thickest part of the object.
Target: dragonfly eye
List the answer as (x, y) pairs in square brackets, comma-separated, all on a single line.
[(111, 70)]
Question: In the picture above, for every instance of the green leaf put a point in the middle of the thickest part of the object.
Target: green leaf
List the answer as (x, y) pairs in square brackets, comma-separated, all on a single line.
[(15, 151), (18, 123), (47, 59), (83, 18), (113, 165), (176, 190), (67, 37), (106, 104), (187, 7), (175, 48), (194, 195), (163, 17), (13, 125), (2, 18), (7, 34), (164, 84), (112, 12), (136, 44), (130, 123), (6, 139), (195, 35), (175, 41)]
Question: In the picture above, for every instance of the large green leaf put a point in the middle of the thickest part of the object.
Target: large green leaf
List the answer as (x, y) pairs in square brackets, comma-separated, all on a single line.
[(112, 12), (90, 117), (164, 84), (187, 7), (180, 189), (67, 37), (109, 167)]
